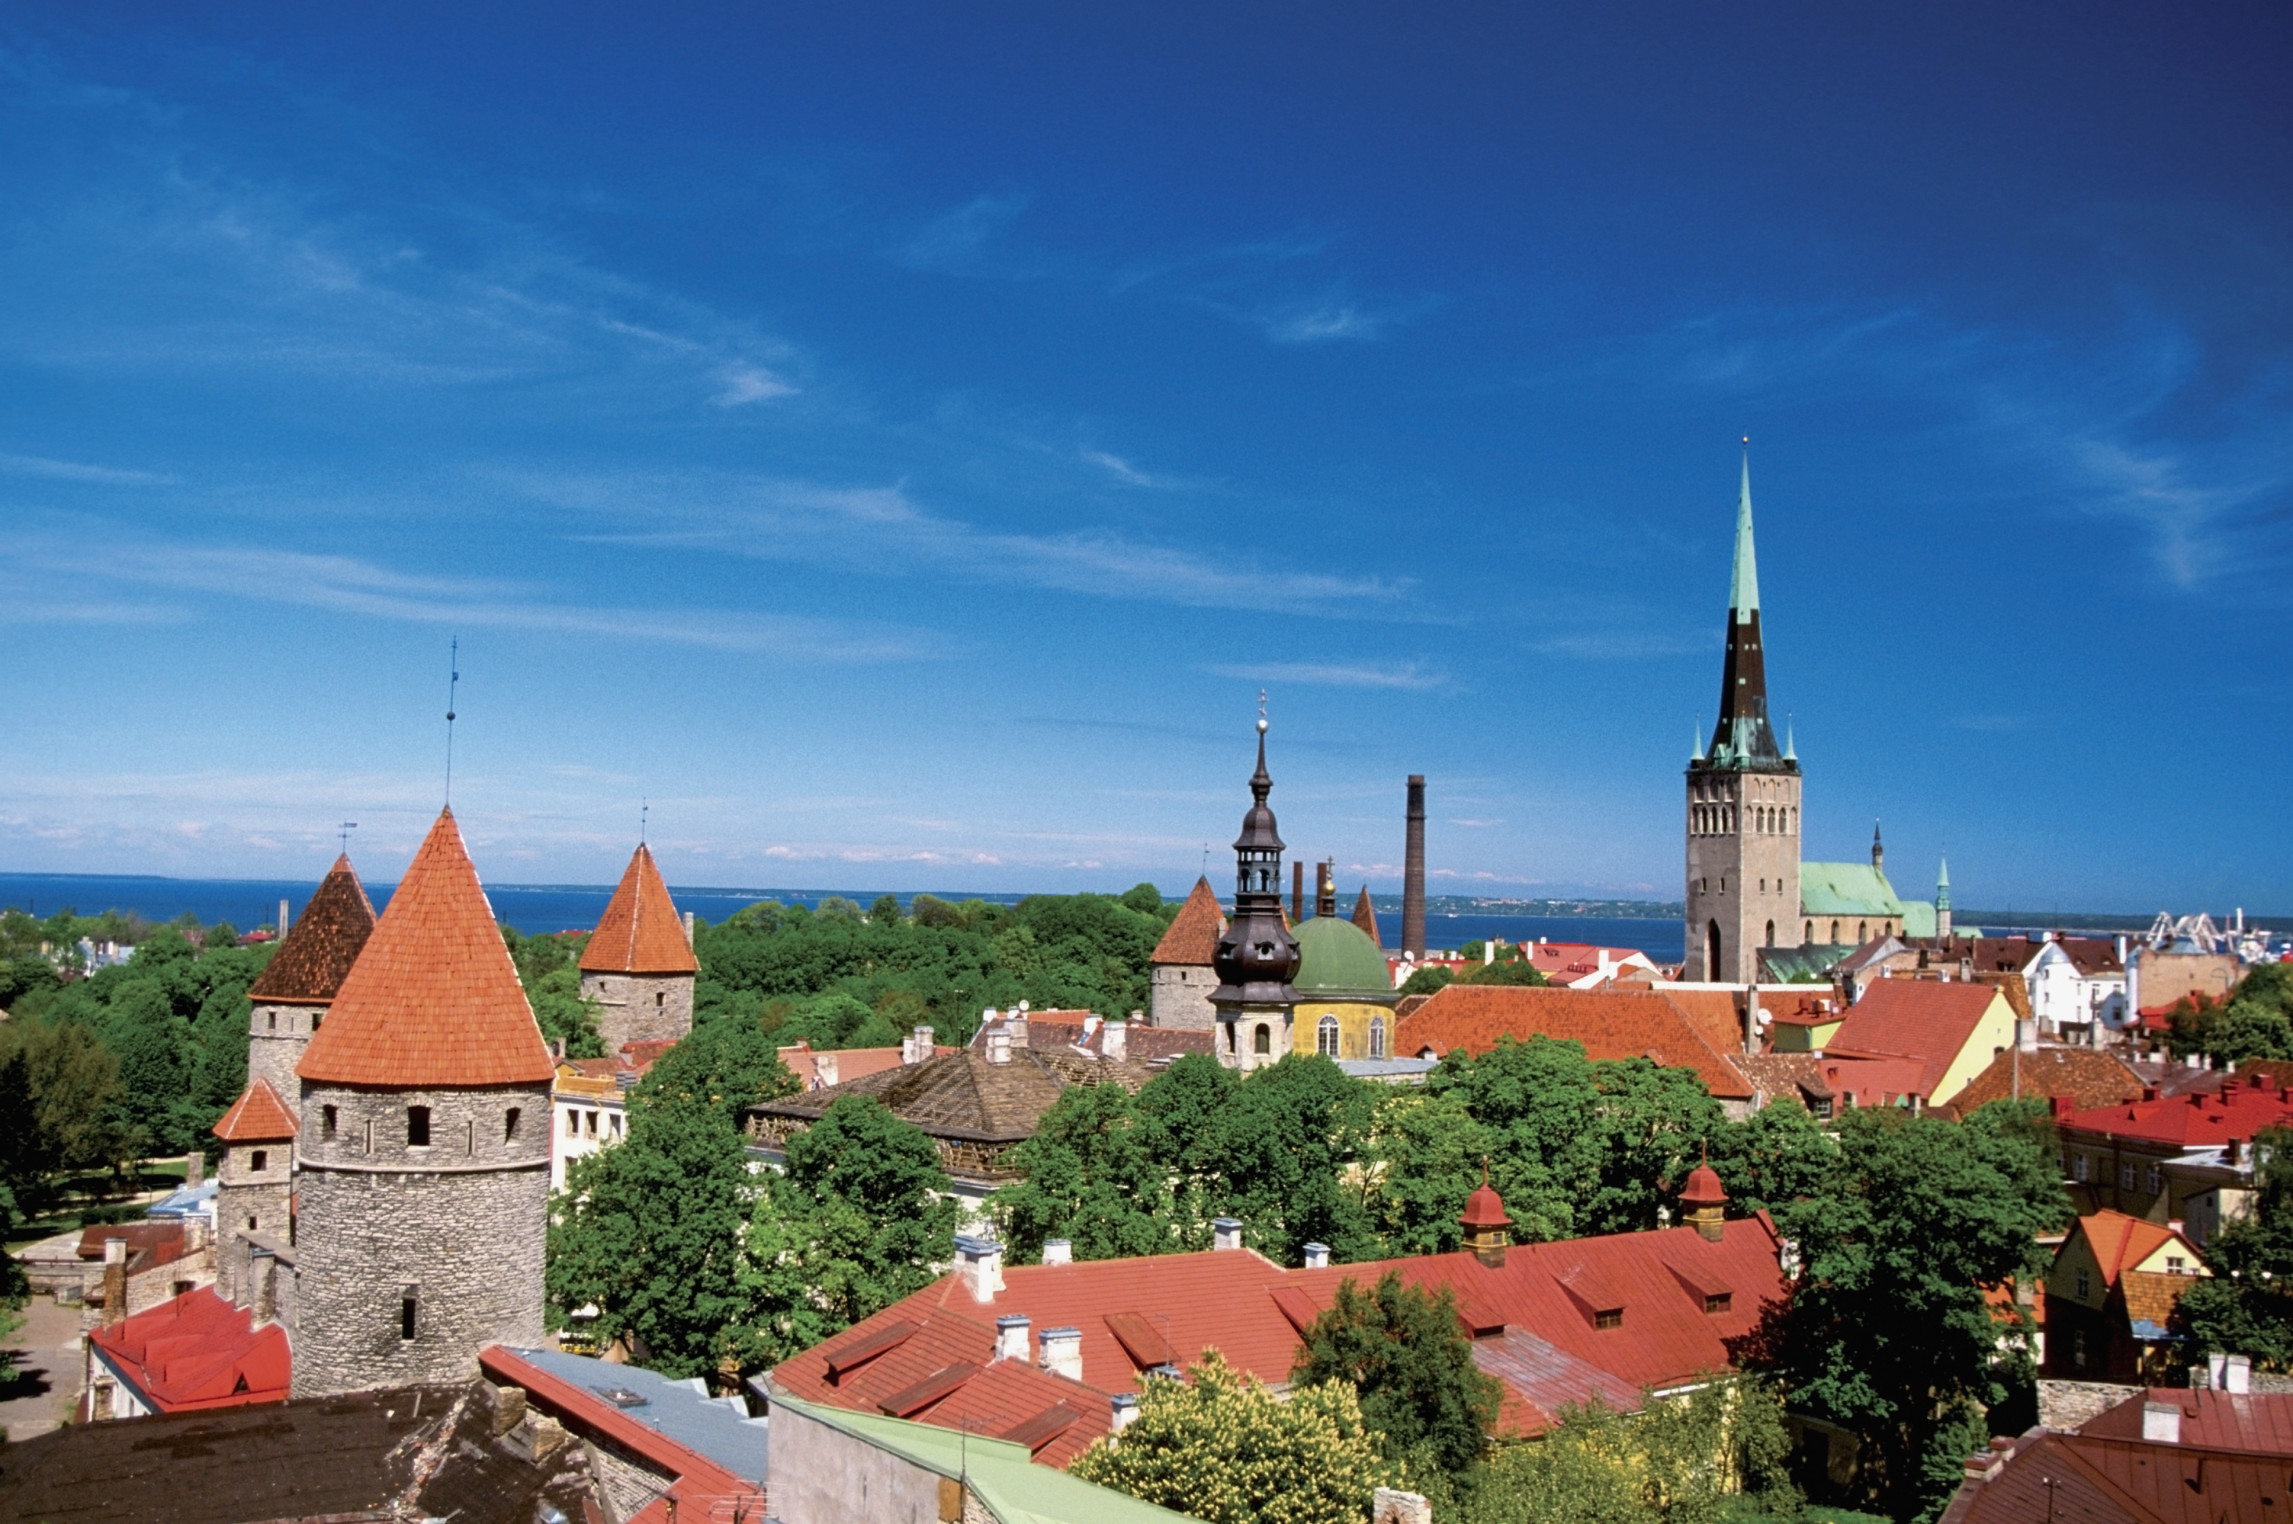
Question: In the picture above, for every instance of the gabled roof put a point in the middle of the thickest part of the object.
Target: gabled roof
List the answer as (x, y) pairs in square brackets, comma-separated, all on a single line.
[(257, 1116), (2086, 1077), (433, 1001), (2121, 1244), (2243, 1423), (2195, 1118), (1192, 937), (1922, 1019), (310, 964), (1846, 889), (640, 932), (1610, 1024), (1365, 916), (2097, 1479), (962, 1096), (197, 1351)]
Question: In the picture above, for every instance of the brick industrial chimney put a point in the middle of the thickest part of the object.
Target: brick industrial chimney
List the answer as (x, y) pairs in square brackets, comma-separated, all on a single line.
[(1297, 890), (1413, 872)]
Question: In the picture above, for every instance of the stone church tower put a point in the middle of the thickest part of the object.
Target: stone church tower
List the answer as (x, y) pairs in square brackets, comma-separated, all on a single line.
[(1256, 956), (1743, 802), (293, 992), (639, 965), (423, 1147)]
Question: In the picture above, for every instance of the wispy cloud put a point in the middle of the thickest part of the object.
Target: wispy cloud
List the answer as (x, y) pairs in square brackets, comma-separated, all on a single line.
[(957, 242), (744, 384), (76, 471), (1624, 645), (1411, 675), (1120, 469)]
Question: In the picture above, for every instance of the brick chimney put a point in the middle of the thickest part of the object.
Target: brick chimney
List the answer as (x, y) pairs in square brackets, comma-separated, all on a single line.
[(115, 1280)]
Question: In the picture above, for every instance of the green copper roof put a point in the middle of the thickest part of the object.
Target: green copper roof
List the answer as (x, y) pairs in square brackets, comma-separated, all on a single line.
[(1338, 961), (1744, 587), (1918, 918), (1002, 1478), (1846, 889)]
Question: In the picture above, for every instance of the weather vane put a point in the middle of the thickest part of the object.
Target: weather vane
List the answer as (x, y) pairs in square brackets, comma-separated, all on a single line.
[(1261, 711), (453, 680), (344, 831)]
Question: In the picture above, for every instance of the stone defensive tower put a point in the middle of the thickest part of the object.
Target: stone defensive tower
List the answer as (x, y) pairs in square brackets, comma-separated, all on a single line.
[(1743, 800), (292, 994), (254, 1183), (423, 1147), (1181, 967), (639, 964), (1256, 955)]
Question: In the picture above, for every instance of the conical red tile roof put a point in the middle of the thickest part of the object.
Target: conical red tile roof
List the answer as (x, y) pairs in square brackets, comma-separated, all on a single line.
[(640, 932), (257, 1116), (433, 1001), (1365, 916), (1192, 938), (320, 948)]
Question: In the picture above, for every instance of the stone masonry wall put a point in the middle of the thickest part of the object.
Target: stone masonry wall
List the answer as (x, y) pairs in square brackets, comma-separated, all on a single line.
[(458, 1225), (1181, 997), (243, 1192), (640, 1007), (276, 1037)]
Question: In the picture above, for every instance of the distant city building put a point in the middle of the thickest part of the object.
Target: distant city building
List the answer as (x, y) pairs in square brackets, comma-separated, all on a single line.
[(2110, 1297)]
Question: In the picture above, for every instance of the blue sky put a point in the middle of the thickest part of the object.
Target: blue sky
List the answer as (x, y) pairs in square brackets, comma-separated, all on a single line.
[(899, 442)]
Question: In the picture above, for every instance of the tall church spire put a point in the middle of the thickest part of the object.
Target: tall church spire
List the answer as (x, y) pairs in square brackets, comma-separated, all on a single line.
[(1744, 740)]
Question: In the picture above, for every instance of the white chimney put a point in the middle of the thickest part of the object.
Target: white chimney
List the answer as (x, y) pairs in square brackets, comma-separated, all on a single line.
[(2026, 1035), (1125, 1407), (999, 1045), (1011, 1336), (2238, 1374), (1058, 1251), (980, 1262), (824, 1066), (2162, 1423), (1116, 1043), (1063, 1352), (1317, 1256), (1226, 1232), (688, 919), (282, 920)]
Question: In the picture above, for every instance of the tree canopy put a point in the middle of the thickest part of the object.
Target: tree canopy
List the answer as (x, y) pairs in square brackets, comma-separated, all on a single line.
[(2254, 1021), (1409, 1362), (2246, 1306)]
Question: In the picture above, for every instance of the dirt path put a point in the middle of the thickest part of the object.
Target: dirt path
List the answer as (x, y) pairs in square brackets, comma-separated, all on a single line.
[(48, 1369)]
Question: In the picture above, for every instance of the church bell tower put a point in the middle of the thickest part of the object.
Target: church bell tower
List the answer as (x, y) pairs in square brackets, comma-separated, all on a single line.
[(1743, 801), (1256, 957)]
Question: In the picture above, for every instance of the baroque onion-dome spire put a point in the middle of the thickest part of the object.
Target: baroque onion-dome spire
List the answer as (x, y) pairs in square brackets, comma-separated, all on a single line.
[(1256, 955), (433, 1001), (1744, 740)]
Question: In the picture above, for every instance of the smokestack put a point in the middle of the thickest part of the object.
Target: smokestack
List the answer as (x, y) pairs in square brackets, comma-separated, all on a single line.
[(115, 1280), (1297, 891), (1413, 873), (282, 920)]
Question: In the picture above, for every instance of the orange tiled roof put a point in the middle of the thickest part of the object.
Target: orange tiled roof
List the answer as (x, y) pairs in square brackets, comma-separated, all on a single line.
[(2120, 1242), (1192, 939), (198, 1351), (257, 1116), (433, 1001), (1611, 1024), (1921, 1019), (1714, 1015), (320, 948), (640, 932)]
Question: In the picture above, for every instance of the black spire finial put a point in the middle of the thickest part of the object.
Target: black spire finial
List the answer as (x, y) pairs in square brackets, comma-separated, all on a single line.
[(453, 680), (344, 831)]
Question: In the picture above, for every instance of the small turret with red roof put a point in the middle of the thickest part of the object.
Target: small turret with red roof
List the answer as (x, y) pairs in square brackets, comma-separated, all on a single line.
[(1704, 1201), (1487, 1229), (639, 964)]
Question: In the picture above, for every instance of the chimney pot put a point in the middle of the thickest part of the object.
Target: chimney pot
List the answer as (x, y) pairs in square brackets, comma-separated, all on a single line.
[(1115, 1042), (2162, 1423), (999, 1045), (1011, 1336), (1317, 1256), (1226, 1232), (1063, 1352), (1058, 1251), (980, 1262), (2238, 1374), (1125, 1408)]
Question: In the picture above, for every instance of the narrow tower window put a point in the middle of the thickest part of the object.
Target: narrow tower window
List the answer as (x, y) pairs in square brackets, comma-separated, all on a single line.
[(274, 1021), (510, 1125), (417, 1129), (406, 1307), (1263, 1041), (258, 1160), (1326, 1037), (326, 1121), (1377, 1037)]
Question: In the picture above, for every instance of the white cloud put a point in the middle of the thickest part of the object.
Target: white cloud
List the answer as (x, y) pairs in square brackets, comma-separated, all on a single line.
[(75, 471), (750, 383), (1409, 675)]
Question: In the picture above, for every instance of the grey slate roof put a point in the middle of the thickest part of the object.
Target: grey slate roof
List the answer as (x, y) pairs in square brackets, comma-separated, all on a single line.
[(717, 1427)]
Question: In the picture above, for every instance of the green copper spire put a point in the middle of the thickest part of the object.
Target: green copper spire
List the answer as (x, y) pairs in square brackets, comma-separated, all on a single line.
[(1744, 587), (1696, 741), (1943, 886), (1790, 746)]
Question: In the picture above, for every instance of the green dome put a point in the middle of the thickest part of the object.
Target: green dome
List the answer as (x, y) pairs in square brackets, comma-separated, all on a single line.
[(1338, 961)]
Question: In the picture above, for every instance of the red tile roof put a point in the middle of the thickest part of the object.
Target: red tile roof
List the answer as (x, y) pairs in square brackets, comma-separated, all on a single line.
[(851, 1063), (257, 1116), (640, 932), (433, 1001), (2094, 1479), (1922, 1019), (1715, 1016), (1611, 1024), (2086, 1077), (197, 1351), (320, 948), (1192, 938), (934, 1351), (2194, 1119), (2243, 1423)]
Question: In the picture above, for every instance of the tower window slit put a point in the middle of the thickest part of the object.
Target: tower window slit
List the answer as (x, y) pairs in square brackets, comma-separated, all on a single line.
[(406, 1308), (417, 1127), (510, 1125), (326, 1122)]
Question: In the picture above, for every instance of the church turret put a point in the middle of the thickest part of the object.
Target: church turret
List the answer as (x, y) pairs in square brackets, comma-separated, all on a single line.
[(1743, 803), (1943, 900), (1256, 954), (1878, 850)]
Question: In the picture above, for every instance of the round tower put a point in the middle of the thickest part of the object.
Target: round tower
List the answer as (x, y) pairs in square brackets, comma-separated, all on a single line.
[(423, 1148), (639, 964), (1256, 955), (254, 1183), (293, 992)]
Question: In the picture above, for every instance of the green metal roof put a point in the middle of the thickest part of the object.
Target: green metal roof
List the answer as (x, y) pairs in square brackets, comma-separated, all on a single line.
[(1338, 961), (1744, 586), (1918, 919), (1011, 1487), (1846, 889), (1811, 964)]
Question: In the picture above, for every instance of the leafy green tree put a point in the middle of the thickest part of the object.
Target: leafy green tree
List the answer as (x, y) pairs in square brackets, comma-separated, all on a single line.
[(1541, 1105), (2246, 1306), (1429, 980), (1778, 1154), (1517, 972), (1092, 1174), (869, 1205), (548, 966), (2254, 1021), (838, 1020), (1146, 899), (1285, 1146), (15, 1287), (727, 1065), (27, 980), (1407, 1359), (1916, 1218), (885, 911), (1222, 1448), (1431, 1149), (73, 1078), (649, 1233)]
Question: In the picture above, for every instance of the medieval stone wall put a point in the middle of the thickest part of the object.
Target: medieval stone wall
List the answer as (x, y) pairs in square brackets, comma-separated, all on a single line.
[(1181, 997), (250, 1200), (456, 1225), (276, 1037), (640, 1007)]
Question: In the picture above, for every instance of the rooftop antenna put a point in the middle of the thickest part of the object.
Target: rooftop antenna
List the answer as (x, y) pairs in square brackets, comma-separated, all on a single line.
[(344, 831), (453, 679)]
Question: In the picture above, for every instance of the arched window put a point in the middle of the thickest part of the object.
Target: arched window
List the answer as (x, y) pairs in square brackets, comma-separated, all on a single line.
[(1262, 1041), (1862, 932), (1377, 1037), (1835, 933), (1771, 934), (1326, 1037), (1712, 950), (1810, 937)]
